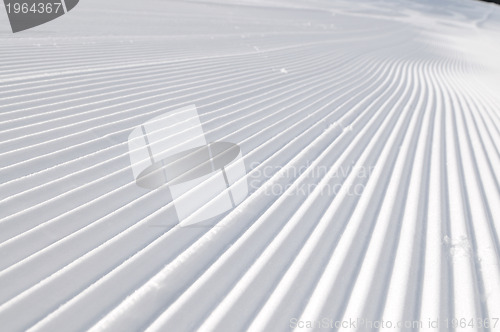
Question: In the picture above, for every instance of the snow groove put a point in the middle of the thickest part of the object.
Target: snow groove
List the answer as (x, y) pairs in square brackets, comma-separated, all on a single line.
[(319, 95)]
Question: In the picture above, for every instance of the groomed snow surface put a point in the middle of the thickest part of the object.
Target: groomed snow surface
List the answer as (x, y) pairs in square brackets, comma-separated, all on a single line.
[(370, 133)]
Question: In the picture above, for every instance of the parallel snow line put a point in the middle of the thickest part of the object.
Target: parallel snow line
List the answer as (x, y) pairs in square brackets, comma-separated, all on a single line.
[(143, 115), (346, 261), (57, 180), (126, 97), (114, 114), (180, 258), (269, 91), (240, 291), (370, 278), (151, 63), (233, 121), (180, 72), (484, 238), (487, 157), (465, 289), (489, 124), (104, 76), (78, 77), (175, 76), (110, 100), (434, 270), (300, 275), (70, 55), (420, 241), (407, 308), (401, 303)]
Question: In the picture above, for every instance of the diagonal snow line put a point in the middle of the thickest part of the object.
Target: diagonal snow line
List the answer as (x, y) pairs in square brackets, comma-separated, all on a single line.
[(488, 155), (242, 118), (413, 212), (198, 69), (127, 97), (171, 106), (301, 268), (149, 47), (124, 120), (198, 63), (483, 236), (420, 241), (60, 84), (462, 266), (150, 63), (114, 106), (319, 302), (234, 104), (156, 72), (79, 115), (224, 309), (79, 171), (434, 260), (171, 267), (391, 209)]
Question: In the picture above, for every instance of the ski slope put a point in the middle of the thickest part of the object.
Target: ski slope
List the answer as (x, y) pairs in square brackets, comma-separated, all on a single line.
[(370, 134)]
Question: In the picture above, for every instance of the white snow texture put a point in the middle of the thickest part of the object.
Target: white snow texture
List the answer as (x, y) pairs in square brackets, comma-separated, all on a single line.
[(370, 134)]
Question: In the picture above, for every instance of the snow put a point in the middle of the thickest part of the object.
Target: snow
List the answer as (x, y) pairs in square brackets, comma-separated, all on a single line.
[(370, 133)]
